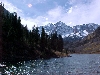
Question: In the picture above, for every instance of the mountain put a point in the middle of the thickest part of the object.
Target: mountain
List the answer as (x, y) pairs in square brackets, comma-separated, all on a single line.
[(89, 44), (74, 37), (70, 33)]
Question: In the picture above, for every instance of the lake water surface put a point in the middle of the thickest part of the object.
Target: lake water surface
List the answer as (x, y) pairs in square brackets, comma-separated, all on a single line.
[(78, 64)]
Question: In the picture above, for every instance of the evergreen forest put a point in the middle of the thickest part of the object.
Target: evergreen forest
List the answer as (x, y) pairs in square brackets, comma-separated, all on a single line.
[(19, 43)]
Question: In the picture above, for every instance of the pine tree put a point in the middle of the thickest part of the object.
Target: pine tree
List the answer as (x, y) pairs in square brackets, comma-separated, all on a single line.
[(19, 29), (37, 36), (54, 39), (60, 43), (42, 40)]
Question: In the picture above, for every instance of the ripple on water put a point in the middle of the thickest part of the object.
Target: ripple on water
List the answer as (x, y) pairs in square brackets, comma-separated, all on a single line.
[(78, 64)]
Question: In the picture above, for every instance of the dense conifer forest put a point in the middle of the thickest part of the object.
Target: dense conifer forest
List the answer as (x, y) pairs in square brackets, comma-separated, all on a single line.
[(19, 43)]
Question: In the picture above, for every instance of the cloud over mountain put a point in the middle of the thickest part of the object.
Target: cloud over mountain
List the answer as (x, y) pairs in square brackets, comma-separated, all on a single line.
[(42, 12)]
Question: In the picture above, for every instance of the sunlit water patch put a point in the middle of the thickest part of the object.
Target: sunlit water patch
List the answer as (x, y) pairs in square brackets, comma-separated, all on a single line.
[(78, 64)]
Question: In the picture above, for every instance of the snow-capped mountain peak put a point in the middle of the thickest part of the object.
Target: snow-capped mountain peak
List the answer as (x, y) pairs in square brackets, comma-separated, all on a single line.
[(67, 31)]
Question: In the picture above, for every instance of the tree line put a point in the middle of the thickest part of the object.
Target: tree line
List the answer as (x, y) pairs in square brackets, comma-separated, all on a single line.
[(21, 44)]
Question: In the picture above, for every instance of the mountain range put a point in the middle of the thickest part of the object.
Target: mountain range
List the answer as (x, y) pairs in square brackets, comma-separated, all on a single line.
[(80, 38), (70, 33)]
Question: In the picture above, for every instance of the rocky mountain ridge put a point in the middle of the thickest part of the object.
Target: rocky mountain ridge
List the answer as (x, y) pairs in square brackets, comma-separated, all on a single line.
[(80, 38), (69, 33)]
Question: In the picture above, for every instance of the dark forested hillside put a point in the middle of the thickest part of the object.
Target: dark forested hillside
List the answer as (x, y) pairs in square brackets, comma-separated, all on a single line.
[(19, 43)]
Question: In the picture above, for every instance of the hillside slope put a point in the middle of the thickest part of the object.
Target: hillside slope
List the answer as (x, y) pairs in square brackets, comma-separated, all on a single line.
[(90, 44)]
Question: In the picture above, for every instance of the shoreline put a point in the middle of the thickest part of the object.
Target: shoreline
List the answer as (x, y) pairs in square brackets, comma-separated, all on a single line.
[(61, 54)]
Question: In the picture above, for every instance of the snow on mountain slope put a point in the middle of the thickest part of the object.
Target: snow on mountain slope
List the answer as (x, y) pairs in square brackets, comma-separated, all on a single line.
[(67, 31)]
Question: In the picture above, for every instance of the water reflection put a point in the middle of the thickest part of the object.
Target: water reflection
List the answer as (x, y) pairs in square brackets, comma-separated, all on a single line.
[(78, 64)]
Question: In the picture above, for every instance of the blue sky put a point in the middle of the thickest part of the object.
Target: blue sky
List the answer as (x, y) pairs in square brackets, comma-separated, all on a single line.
[(42, 12)]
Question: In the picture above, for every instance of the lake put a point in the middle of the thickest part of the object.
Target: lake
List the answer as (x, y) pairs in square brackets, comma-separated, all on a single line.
[(78, 64)]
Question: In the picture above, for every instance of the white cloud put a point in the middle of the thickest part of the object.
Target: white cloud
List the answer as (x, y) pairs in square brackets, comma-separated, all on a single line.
[(39, 21), (70, 10), (78, 13), (11, 8), (55, 13), (29, 21)]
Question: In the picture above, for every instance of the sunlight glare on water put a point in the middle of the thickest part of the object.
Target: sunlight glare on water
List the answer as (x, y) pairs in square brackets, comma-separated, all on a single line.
[(78, 64)]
